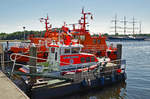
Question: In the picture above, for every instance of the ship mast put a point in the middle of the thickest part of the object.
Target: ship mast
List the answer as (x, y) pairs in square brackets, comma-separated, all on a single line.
[(125, 23), (133, 26), (115, 21), (46, 25), (24, 32), (83, 24), (140, 27)]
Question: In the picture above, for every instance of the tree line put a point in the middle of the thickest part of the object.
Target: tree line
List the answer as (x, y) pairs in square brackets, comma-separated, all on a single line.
[(20, 35)]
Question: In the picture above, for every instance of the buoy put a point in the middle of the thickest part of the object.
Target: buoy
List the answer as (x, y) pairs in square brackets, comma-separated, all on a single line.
[(119, 71), (23, 70)]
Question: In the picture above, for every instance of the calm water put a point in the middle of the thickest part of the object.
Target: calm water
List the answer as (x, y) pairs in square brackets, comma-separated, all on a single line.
[(137, 85)]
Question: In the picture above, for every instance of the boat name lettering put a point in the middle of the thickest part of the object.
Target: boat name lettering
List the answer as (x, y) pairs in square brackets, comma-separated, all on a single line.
[(71, 57)]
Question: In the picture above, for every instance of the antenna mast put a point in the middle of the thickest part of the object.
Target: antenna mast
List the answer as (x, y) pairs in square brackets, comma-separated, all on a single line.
[(83, 24), (46, 25)]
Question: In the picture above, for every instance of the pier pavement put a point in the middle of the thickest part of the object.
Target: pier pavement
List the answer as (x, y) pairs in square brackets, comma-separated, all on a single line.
[(8, 90)]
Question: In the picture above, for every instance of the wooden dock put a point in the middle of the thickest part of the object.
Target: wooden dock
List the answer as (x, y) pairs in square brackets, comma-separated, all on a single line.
[(8, 90)]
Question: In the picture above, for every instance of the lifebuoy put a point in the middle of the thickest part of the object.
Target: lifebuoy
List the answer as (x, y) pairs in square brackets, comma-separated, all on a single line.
[(45, 55)]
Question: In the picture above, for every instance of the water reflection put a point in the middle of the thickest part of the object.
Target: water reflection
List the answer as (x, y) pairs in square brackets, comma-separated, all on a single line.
[(116, 91)]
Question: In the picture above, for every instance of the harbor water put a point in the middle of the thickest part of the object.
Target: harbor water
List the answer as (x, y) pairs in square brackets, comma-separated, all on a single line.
[(137, 85)]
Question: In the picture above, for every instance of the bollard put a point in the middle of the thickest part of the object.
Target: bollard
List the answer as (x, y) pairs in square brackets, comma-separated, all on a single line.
[(119, 51), (7, 46), (32, 62), (119, 54)]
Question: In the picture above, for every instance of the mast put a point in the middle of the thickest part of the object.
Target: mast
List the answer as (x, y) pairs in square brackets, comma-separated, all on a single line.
[(24, 32), (115, 24), (125, 23), (84, 18), (115, 21), (133, 25), (83, 24), (140, 28), (46, 25)]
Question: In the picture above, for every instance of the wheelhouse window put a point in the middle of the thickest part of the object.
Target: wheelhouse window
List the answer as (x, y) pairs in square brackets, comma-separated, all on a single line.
[(75, 36), (82, 37), (82, 59), (99, 41), (93, 59), (67, 50), (87, 59), (94, 41), (75, 50)]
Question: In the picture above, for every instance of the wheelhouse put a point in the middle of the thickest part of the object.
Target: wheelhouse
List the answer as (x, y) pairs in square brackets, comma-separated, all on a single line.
[(69, 57)]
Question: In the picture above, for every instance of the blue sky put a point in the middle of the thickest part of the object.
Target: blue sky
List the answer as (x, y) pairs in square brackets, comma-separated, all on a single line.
[(14, 14)]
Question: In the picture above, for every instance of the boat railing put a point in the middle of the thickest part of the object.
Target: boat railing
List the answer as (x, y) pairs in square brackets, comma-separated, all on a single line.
[(27, 44), (16, 55), (101, 68), (22, 45), (110, 67), (21, 55), (95, 47)]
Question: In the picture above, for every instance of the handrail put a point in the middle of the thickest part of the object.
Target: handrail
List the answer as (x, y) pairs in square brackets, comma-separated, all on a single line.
[(18, 54)]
